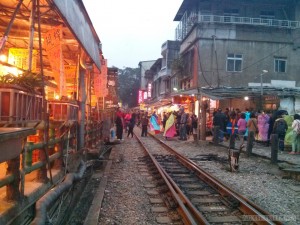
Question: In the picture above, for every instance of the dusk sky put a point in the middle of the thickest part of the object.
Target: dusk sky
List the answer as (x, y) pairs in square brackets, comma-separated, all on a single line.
[(134, 30)]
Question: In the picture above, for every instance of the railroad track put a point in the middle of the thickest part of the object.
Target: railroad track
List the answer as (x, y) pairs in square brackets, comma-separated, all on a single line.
[(200, 197)]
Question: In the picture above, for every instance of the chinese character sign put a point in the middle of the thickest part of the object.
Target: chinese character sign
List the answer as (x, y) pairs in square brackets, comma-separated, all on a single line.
[(19, 57), (140, 99), (149, 90), (52, 43), (70, 72), (100, 80), (145, 95)]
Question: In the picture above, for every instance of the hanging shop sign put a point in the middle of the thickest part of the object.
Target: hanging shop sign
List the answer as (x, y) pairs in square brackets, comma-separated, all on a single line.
[(145, 95), (52, 43), (149, 90), (183, 100), (100, 80), (19, 57), (140, 97), (76, 16), (71, 78)]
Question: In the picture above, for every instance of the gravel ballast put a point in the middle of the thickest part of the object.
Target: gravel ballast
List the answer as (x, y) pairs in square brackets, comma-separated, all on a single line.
[(126, 201)]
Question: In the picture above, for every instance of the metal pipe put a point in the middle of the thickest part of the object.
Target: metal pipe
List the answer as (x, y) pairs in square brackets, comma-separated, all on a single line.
[(46, 201), (7, 180), (31, 34), (40, 164), (4, 38)]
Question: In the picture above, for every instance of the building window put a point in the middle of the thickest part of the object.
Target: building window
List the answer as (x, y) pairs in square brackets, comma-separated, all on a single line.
[(280, 65), (234, 63), (267, 15)]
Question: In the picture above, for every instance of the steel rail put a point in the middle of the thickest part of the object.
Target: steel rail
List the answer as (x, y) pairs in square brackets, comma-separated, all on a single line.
[(248, 207), (190, 214), (198, 215)]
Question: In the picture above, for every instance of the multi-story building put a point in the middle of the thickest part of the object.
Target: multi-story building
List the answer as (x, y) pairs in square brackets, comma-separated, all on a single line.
[(146, 79), (239, 44), (163, 79), (157, 74), (144, 73)]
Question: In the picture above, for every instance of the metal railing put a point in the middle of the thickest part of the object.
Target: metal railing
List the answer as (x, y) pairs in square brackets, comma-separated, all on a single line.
[(93, 133), (188, 22)]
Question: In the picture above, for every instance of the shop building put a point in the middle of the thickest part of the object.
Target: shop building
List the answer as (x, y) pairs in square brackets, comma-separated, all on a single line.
[(52, 76), (235, 45)]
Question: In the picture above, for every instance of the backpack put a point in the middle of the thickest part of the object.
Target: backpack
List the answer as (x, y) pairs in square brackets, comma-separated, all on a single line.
[(280, 126)]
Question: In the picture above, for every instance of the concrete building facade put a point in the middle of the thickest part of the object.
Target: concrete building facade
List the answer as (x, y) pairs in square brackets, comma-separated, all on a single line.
[(240, 43)]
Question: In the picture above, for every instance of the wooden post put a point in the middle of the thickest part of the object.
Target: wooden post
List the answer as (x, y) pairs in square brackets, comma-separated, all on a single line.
[(274, 148), (42, 172), (216, 135), (232, 141), (203, 122), (58, 164), (12, 190), (250, 141)]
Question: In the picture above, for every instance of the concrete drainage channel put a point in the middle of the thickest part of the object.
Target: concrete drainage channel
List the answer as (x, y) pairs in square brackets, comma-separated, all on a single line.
[(85, 195)]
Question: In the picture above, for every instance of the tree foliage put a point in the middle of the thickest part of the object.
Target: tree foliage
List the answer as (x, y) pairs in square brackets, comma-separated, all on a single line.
[(28, 80), (129, 84)]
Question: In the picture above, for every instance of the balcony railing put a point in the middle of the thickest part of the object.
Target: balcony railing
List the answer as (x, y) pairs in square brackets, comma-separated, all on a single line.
[(187, 23)]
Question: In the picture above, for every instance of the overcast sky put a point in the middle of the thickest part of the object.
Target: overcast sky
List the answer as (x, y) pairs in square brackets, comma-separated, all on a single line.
[(133, 30)]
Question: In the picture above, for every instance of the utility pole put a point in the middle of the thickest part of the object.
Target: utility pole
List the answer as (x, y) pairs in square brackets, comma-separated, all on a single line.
[(262, 89), (199, 123)]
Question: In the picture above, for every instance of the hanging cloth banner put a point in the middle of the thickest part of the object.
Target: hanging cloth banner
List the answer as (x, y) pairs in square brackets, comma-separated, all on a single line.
[(52, 44), (100, 80), (70, 72)]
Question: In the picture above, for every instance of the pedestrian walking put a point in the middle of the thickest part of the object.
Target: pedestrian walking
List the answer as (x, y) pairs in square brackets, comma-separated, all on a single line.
[(145, 124), (220, 120), (232, 127), (252, 124), (131, 125), (296, 135), (242, 127), (119, 124), (182, 127), (189, 125), (280, 128), (170, 129), (154, 125), (164, 120), (263, 126)]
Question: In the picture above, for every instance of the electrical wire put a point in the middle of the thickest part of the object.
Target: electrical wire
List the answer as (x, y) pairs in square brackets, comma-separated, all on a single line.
[(201, 68)]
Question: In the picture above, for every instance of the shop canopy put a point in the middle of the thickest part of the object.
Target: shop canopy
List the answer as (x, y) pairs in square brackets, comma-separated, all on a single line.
[(77, 29), (219, 93)]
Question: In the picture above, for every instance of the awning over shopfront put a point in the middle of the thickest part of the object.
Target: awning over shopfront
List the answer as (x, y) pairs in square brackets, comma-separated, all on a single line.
[(229, 92), (77, 29), (76, 17)]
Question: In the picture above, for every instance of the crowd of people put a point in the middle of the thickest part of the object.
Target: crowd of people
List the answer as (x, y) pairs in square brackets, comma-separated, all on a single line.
[(230, 122), (240, 124), (173, 124)]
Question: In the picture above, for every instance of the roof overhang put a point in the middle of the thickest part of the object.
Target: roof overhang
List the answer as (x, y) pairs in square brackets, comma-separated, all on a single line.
[(77, 28), (76, 18), (230, 92), (186, 4)]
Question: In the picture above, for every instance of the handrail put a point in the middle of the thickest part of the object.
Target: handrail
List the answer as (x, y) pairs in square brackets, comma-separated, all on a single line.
[(187, 22), (58, 140)]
